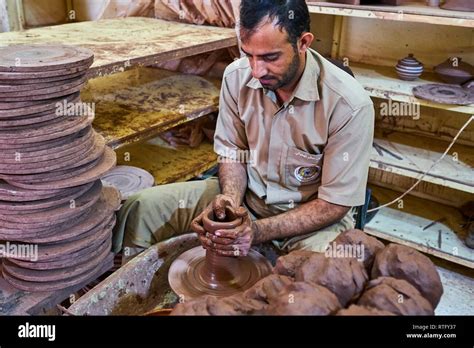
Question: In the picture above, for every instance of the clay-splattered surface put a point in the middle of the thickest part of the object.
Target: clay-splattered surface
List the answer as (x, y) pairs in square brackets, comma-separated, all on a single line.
[(143, 102), (167, 164), (120, 43)]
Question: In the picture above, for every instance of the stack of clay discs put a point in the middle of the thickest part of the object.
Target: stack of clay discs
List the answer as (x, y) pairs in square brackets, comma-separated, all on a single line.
[(53, 206)]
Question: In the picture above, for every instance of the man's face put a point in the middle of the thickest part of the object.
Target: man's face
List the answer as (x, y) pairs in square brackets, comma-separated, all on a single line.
[(274, 61)]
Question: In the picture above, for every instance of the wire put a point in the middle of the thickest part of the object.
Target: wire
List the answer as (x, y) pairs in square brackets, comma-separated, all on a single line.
[(427, 171)]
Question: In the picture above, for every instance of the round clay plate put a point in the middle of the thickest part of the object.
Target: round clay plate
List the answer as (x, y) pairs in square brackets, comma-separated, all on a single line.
[(27, 58), (185, 274), (445, 94), (128, 180)]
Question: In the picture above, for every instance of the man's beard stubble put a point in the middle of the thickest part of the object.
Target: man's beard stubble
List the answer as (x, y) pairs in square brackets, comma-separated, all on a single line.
[(288, 76)]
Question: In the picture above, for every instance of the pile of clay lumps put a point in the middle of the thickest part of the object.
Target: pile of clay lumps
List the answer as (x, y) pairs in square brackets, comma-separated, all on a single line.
[(381, 280)]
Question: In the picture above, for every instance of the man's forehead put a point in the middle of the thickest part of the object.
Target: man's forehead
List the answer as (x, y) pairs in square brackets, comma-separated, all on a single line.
[(267, 38)]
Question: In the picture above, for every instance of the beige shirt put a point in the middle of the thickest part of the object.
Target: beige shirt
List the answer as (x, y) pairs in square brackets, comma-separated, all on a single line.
[(315, 145)]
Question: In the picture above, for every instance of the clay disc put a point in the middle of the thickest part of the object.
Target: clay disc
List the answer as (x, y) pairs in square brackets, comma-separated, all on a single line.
[(185, 274), (55, 215), (43, 76), (30, 119), (28, 58), (100, 212), (36, 86), (89, 154), (46, 145), (38, 106), (55, 274), (88, 276), (106, 163), (446, 94), (44, 94), (128, 180), (77, 142), (29, 207), (71, 125), (16, 194), (51, 252), (71, 259)]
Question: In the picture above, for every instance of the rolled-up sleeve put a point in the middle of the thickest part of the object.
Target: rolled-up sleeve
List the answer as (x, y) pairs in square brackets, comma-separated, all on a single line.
[(230, 137), (346, 158)]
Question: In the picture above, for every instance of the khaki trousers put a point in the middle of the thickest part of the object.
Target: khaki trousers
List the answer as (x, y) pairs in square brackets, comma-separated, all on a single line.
[(165, 211)]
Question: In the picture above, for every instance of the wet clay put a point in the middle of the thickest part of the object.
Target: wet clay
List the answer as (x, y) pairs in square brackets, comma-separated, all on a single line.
[(396, 296), (288, 264), (370, 244), (363, 310), (345, 277), (402, 262), (301, 298)]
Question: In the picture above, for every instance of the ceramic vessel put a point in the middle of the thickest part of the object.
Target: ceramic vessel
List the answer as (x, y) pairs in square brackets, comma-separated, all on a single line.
[(409, 68), (454, 71), (220, 269)]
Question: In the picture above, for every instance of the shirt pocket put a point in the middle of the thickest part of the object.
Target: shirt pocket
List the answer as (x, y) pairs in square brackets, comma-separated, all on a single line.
[(301, 168)]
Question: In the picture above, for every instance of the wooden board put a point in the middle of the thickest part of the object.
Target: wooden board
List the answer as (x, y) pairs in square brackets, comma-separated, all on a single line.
[(418, 154), (383, 82), (408, 12), (143, 102), (121, 43), (458, 296), (433, 123), (167, 164), (407, 225)]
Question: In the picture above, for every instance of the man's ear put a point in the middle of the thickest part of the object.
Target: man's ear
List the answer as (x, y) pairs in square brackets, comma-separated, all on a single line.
[(306, 41)]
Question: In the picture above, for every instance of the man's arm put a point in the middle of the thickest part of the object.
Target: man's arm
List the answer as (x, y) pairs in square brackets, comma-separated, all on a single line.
[(306, 218), (233, 181)]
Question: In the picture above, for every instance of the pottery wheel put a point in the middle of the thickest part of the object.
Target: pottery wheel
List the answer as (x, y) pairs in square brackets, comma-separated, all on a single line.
[(27, 58), (188, 275), (446, 94), (128, 180)]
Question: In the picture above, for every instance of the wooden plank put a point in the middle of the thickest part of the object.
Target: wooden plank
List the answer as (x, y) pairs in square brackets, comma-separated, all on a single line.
[(406, 223), (458, 296), (19, 302), (387, 177), (166, 163), (121, 43), (382, 82), (432, 123), (417, 154), (140, 103), (408, 12)]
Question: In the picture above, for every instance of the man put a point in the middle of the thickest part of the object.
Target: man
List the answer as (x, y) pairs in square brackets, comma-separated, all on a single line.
[(294, 135)]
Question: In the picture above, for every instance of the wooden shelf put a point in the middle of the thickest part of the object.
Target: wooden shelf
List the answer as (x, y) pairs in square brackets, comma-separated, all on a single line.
[(122, 43), (450, 182), (408, 12), (407, 225), (166, 163), (382, 82), (140, 103)]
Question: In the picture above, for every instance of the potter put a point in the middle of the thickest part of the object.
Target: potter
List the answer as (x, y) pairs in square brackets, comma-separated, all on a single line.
[(308, 126)]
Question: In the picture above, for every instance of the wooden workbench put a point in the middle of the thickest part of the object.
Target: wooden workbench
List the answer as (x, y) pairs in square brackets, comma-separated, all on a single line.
[(122, 43)]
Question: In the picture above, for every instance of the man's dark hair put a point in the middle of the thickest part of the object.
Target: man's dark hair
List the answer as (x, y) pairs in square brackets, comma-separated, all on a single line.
[(291, 15)]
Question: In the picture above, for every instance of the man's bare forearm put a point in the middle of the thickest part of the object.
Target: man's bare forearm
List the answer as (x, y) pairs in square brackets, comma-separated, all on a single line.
[(306, 218), (233, 180)]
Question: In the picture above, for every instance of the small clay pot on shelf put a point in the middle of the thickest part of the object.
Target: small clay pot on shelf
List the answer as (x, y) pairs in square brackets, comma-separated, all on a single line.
[(455, 71), (409, 68)]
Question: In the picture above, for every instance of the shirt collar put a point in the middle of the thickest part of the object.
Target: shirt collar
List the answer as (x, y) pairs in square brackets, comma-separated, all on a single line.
[(307, 88)]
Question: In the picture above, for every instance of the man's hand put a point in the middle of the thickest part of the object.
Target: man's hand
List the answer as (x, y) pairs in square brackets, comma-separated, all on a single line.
[(218, 205), (232, 242)]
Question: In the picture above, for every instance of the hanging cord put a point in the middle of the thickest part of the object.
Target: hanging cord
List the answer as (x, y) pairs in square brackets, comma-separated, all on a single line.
[(427, 171)]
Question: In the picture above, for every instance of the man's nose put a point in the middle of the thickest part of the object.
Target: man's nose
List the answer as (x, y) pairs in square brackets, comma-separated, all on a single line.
[(259, 69)]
